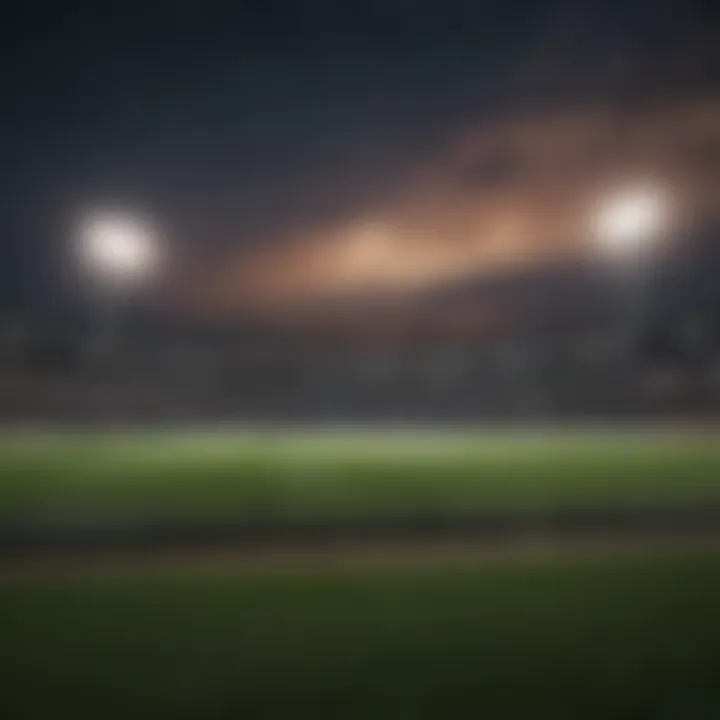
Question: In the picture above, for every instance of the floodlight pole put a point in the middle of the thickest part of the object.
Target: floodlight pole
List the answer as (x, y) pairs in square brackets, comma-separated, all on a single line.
[(113, 304), (630, 291)]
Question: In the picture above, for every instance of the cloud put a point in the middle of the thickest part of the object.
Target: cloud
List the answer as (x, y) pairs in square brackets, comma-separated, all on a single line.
[(515, 191)]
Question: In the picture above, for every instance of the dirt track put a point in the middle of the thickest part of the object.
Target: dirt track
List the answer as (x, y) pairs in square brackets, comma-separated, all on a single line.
[(340, 557)]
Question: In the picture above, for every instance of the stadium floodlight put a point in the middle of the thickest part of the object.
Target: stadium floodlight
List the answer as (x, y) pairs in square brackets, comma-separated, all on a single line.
[(630, 221), (627, 227), (118, 254), (118, 251)]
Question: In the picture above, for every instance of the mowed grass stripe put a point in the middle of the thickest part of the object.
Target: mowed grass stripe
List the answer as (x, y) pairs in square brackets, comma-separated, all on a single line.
[(282, 475), (609, 637)]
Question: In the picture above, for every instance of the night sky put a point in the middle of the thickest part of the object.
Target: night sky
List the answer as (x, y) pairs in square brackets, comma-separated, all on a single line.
[(241, 128)]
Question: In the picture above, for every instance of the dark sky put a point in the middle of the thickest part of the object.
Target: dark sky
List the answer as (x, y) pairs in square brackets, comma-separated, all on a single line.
[(230, 125)]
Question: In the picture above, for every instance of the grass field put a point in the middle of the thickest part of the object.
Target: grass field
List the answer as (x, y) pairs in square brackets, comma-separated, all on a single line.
[(613, 635), (631, 636), (281, 475)]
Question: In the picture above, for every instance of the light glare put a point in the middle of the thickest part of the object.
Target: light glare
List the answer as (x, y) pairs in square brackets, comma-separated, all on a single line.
[(630, 220), (118, 249)]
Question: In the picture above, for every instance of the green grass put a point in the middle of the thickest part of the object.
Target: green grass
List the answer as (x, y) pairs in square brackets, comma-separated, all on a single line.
[(610, 637), (283, 475)]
